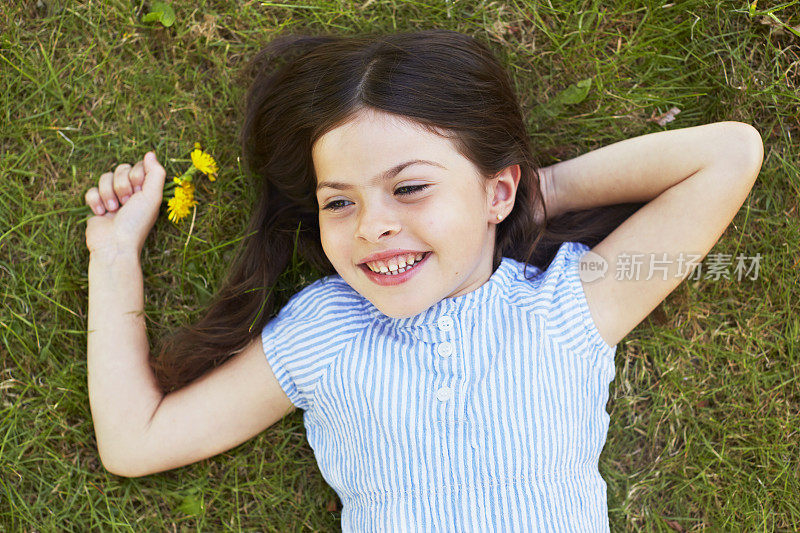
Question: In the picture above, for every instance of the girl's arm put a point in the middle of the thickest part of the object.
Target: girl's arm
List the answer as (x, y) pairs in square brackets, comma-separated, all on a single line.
[(140, 430), (695, 180)]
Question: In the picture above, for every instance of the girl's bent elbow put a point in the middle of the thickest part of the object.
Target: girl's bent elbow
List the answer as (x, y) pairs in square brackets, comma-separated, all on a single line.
[(120, 467), (757, 147), (124, 470), (117, 469), (753, 142), (745, 148)]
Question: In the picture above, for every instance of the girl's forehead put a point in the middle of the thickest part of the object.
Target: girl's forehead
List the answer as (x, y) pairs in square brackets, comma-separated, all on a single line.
[(369, 147), (375, 131)]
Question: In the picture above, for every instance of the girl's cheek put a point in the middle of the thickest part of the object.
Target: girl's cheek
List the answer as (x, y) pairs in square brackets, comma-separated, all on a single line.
[(329, 243), (429, 220)]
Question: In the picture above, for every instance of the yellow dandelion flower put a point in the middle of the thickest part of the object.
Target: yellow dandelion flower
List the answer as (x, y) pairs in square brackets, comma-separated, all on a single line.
[(204, 162), (186, 187), (179, 206)]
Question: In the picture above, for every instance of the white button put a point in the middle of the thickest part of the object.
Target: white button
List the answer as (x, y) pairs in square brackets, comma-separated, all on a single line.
[(445, 348), (444, 394), (445, 323)]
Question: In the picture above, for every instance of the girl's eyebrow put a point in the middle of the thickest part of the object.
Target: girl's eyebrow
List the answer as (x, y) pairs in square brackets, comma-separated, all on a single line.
[(385, 175)]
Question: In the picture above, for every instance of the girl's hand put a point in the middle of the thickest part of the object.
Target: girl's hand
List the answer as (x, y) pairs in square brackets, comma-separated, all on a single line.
[(126, 203)]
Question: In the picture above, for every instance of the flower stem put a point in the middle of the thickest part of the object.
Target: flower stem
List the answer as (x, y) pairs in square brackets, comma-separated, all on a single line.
[(186, 245)]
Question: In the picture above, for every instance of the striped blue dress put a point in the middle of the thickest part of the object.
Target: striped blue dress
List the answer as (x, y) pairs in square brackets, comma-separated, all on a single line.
[(486, 412)]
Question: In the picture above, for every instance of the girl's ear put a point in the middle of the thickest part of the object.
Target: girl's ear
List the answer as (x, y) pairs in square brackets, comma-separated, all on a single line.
[(502, 191)]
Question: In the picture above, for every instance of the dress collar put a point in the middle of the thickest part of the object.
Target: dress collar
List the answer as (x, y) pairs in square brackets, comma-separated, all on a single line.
[(429, 319)]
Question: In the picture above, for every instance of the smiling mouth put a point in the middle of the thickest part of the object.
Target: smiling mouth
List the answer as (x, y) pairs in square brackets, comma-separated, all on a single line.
[(399, 270)]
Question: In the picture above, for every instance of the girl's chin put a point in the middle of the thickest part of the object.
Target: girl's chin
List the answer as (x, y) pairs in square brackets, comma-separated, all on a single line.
[(397, 312), (397, 306)]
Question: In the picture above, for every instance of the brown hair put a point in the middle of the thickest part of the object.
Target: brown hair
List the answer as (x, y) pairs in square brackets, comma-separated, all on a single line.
[(304, 86)]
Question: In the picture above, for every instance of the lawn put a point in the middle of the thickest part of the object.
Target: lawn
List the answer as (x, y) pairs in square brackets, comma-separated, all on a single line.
[(705, 404)]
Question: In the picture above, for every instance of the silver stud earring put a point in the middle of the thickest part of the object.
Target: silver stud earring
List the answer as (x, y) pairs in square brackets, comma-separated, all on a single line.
[(499, 217)]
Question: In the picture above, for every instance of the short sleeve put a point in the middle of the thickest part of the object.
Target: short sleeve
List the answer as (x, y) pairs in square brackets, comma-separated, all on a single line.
[(308, 333), (556, 295)]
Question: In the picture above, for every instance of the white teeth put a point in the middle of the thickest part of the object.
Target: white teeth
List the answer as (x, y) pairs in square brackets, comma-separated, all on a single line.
[(395, 265)]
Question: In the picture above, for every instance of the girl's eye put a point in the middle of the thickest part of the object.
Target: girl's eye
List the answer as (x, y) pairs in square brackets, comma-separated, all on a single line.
[(410, 189), (331, 207)]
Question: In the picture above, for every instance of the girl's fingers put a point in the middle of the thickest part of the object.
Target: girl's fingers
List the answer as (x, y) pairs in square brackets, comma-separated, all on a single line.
[(94, 201), (106, 188), (114, 188), (122, 183), (136, 176), (154, 174)]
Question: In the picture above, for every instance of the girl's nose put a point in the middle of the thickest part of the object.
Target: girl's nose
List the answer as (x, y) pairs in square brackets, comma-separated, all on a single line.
[(376, 223)]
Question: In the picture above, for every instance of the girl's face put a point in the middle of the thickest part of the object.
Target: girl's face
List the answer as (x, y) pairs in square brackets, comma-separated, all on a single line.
[(443, 208)]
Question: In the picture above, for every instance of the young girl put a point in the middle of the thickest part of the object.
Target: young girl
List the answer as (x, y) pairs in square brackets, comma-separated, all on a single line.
[(448, 383)]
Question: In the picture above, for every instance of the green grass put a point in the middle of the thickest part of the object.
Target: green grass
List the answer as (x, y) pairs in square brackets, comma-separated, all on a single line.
[(705, 406)]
